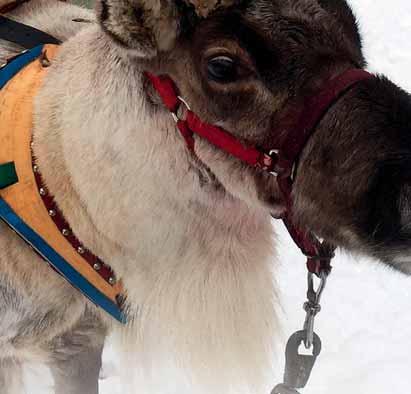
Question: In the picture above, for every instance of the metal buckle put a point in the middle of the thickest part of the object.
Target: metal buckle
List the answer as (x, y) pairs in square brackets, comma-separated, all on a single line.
[(274, 154), (175, 115)]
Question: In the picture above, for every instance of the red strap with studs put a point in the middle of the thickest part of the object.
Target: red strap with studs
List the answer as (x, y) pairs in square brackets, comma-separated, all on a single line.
[(59, 220)]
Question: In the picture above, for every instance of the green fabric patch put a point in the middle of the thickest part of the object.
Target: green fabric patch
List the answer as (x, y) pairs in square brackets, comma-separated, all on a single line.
[(8, 175)]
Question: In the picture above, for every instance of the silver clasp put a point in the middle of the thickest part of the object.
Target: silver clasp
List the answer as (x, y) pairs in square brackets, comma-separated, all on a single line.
[(175, 115), (312, 306), (273, 154)]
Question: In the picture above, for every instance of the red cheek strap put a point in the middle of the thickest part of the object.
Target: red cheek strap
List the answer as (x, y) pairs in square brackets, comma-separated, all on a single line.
[(281, 161), (192, 124), (229, 144)]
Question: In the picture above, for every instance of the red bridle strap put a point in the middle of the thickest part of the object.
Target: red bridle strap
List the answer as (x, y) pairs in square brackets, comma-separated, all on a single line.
[(319, 254), (218, 137), (282, 161), (228, 143), (313, 110)]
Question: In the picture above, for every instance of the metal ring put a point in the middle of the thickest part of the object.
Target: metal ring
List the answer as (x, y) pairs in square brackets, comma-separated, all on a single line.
[(175, 117), (184, 102)]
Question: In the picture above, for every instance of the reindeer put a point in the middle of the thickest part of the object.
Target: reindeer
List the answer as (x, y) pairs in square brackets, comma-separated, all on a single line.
[(189, 233)]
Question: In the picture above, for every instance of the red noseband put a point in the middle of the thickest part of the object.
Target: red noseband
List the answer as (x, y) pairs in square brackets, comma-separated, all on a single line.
[(281, 160)]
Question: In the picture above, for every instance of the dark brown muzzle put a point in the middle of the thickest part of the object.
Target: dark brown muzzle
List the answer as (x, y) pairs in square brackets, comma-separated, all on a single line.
[(354, 180)]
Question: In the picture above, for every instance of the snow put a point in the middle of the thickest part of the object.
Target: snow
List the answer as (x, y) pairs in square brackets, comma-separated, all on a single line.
[(386, 28), (365, 321), (363, 324)]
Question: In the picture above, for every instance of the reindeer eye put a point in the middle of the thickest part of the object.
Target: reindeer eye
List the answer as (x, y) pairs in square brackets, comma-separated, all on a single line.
[(222, 69)]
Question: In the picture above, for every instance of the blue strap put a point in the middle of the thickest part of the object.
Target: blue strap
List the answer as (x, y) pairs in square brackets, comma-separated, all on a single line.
[(58, 262), (17, 64)]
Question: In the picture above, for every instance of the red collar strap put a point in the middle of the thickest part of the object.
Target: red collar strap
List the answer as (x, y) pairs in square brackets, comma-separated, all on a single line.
[(281, 161)]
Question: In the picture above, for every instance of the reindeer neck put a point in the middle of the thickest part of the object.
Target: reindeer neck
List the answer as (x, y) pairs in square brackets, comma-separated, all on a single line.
[(118, 169)]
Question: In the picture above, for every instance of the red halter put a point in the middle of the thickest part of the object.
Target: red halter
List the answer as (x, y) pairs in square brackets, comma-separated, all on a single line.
[(282, 160)]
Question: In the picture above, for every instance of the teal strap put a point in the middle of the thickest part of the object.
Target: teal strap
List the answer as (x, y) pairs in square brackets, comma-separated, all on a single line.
[(59, 263), (8, 175)]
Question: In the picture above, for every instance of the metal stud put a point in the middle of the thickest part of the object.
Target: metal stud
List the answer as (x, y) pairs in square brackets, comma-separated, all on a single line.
[(97, 266), (65, 232), (3, 65), (42, 191), (112, 280), (81, 250), (52, 212), (36, 168)]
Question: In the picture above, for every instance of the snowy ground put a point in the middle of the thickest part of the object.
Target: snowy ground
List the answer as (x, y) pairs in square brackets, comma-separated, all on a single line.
[(365, 322)]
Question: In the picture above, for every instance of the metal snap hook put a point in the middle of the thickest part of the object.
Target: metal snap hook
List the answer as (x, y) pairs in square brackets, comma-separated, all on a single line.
[(312, 307)]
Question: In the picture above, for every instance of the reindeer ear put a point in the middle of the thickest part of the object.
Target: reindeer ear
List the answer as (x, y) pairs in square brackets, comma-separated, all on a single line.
[(143, 27)]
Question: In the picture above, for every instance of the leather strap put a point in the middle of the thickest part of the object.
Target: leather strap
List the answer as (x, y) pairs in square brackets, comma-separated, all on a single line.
[(26, 36)]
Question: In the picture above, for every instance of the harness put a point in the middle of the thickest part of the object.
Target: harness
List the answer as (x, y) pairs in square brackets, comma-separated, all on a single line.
[(20, 175), (26, 204)]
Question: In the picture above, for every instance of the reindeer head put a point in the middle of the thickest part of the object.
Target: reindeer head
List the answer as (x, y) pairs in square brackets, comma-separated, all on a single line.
[(245, 64)]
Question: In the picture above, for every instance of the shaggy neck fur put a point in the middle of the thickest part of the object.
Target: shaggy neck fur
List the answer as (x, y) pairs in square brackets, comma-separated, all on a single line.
[(196, 262)]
